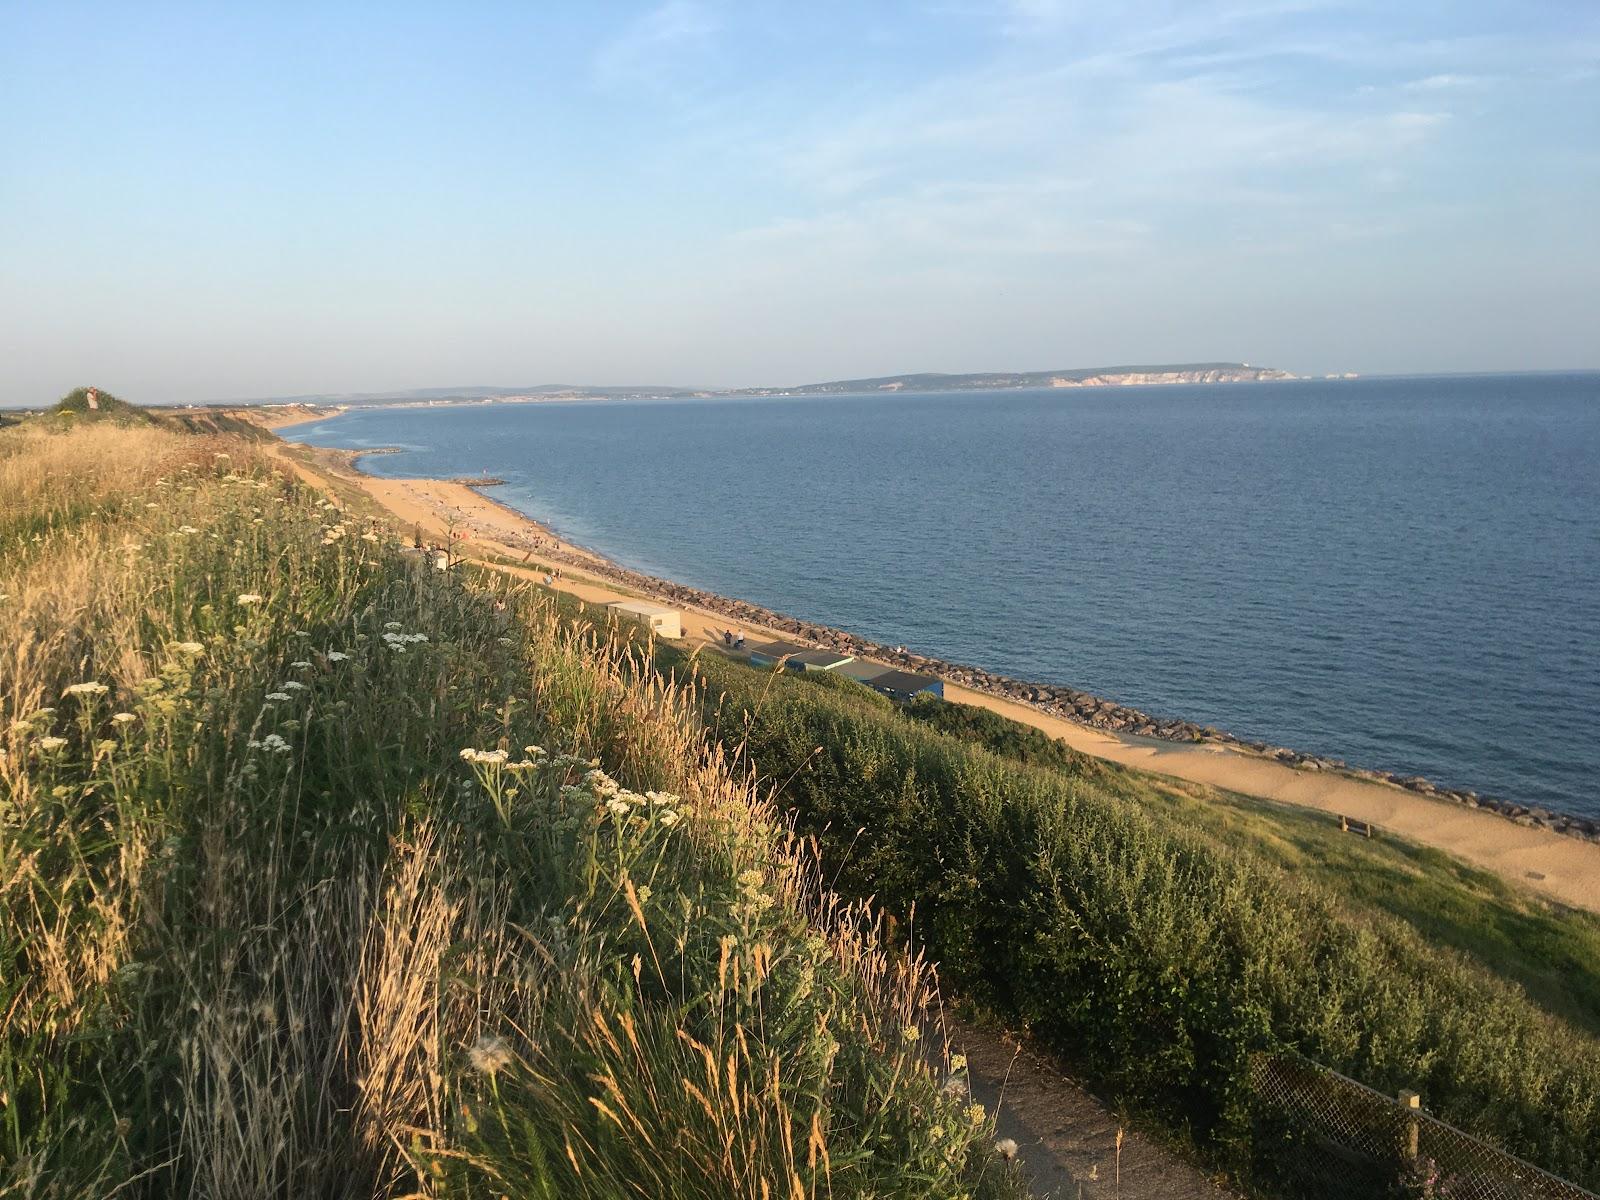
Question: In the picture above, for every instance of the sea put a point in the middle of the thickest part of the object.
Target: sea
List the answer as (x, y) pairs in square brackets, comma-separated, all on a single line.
[(1400, 572)]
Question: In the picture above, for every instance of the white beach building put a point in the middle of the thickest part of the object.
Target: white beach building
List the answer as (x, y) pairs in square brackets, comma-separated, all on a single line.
[(661, 621)]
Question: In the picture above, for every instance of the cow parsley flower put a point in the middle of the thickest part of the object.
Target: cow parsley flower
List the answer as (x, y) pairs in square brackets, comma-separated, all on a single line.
[(250, 598), (278, 696), (123, 718), (50, 743), (337, 656), (188, 647), (89, 688)]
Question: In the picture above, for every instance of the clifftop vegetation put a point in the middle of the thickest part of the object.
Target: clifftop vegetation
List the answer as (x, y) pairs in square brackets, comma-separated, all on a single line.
[(326, 873)]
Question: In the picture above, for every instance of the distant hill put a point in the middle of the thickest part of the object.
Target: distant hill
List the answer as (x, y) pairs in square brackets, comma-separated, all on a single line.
[(1212, 372), (1207, 372), (102, 407)]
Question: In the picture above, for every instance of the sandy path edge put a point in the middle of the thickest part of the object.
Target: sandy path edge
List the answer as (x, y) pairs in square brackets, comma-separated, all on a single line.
[(1560, 868)]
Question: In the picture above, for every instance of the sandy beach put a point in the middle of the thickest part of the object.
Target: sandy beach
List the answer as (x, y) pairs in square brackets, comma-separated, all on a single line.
[(1561, 868)]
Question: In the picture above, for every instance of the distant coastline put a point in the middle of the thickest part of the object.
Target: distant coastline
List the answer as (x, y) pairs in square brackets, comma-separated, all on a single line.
[(1135, 375)]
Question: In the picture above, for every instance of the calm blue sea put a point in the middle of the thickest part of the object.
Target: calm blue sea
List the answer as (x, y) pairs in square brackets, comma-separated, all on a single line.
[(1404, 573)]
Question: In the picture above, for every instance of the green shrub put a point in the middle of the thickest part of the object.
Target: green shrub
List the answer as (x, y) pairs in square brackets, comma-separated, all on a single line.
[(1146, 954)]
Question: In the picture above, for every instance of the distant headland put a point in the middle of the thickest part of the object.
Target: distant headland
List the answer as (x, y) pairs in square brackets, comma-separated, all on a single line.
[(1072, 377)]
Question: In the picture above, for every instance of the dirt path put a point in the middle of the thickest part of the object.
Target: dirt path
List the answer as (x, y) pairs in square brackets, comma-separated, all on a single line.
[(1561, 868), (1066, 1139)]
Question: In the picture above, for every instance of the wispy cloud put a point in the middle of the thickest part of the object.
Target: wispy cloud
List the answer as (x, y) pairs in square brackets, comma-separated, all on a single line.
[(1444, 83), (651, 46)]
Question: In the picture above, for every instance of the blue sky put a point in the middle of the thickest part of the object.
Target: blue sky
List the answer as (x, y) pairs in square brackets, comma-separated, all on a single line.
[(207, 201)]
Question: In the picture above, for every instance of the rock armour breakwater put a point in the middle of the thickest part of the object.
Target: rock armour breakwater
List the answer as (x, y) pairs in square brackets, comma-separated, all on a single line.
[(1053, 699)]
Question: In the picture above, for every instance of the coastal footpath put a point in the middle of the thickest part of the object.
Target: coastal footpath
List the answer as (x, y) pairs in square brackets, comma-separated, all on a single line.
[(1554, 854)]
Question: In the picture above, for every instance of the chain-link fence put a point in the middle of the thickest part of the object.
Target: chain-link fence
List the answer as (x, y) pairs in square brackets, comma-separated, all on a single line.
[(1320, 1134)]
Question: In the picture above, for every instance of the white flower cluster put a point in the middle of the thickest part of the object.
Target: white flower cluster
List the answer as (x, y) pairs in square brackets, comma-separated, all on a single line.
[(187, 648), (250, 598), (272, 742), (337, 656), (90, 688), (399, 641)]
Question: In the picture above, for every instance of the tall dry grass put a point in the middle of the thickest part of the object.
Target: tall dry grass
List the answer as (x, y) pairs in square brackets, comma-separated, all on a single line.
[(266, 932)]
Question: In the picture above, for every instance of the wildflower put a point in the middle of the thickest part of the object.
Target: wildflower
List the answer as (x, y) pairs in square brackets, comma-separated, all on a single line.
[(293, 685), (750, 880), (645, 893), (958, 1063), (152, 504), (187, 529), (123, 718), (534, 751), (483, 756), (669, 818), (976, 1113), (618, 807), (51, 743), (1006, 1148), (278, 696), (660, 797), (955, 1087), (91, 688), (392, 625), (249, 598), (337, 656), (489, 1055), (602, 783), (275, 743), (300, 665), (188, 647), (369, 537), (910, 1034)]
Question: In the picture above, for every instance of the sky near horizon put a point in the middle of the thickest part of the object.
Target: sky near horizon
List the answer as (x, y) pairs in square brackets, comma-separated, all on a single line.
[(217, 201)]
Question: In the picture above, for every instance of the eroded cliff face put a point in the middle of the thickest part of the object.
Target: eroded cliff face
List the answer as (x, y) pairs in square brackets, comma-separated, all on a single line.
[(1135, 378)]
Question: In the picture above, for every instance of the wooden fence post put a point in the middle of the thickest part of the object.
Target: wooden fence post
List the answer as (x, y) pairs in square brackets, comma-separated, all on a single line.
[(1411, 1102)]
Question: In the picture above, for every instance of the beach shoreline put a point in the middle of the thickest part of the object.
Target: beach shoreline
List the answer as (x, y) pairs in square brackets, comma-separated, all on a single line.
[(1555, 854)]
